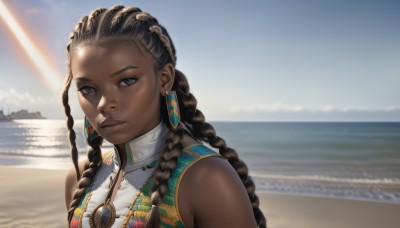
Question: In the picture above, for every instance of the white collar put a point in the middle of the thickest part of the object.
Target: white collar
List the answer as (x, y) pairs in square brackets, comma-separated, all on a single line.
[(143, 149)]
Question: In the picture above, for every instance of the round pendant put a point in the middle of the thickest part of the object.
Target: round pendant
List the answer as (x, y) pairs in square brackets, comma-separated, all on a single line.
[(103, 216)]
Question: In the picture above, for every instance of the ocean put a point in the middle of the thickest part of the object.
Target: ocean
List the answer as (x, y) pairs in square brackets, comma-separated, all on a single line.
[(352, 160)]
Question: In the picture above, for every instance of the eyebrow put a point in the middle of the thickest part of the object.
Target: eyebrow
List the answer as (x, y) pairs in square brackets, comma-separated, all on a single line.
[(83, 78), (123, 70)]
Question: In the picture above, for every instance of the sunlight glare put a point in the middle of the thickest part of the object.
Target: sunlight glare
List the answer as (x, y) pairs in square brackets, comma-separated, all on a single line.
[(50, 76)]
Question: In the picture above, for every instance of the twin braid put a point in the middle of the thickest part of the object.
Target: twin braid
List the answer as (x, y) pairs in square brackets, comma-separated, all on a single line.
[(85, 179), (122, 21), (94, 155), (89, 27), (165, 41)]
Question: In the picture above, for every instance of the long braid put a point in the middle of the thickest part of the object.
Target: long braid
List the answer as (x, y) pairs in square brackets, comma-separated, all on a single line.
[(205, 131), (94, 156), (173, 148), (162, 173), (150, 35), (85, 179), (70, 125), (89, 171)]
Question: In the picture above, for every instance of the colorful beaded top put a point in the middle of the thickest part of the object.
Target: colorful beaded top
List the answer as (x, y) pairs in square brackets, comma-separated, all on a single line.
[(141, 205)]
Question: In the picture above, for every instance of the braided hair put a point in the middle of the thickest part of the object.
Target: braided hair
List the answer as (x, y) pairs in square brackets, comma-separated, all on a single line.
[(131, 22)]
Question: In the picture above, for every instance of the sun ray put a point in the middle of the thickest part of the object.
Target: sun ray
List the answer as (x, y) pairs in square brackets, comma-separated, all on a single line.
[(50, 76)]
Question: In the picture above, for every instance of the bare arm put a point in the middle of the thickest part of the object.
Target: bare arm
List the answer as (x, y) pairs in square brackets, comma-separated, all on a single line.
[(214, 196)]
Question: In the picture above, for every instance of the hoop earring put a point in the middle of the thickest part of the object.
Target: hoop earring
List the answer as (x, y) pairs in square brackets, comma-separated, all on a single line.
[(172, 108), (89, 132)]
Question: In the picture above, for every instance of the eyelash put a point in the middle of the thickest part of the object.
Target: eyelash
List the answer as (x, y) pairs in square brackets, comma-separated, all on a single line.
[(127, 81), (84, 88), (130, 79)]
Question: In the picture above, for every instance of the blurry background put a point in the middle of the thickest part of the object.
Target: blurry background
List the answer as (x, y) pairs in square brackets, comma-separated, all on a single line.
[(306, 91)]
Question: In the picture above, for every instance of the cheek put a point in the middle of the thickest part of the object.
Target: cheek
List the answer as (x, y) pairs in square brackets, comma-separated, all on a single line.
[(86, 106), (152, 96), (143, 102)]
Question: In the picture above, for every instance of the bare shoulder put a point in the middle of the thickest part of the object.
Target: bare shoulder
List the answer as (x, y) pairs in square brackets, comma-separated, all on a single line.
[(71, 181), (215, 195), (215, 165)]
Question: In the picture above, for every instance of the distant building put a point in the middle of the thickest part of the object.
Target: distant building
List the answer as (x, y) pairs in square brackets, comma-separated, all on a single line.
[(2, 116), (24, 114)]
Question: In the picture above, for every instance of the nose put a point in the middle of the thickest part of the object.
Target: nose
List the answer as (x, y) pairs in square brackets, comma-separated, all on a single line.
[(108, 102)]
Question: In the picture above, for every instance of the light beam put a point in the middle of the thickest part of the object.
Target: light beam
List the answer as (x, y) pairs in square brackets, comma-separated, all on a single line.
[(51, 77)]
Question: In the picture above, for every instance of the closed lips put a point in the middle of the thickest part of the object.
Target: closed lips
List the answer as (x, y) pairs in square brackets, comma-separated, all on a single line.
[(110, 123)]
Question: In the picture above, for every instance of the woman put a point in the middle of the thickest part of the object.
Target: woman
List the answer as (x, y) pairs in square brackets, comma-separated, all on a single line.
[(159, 173)]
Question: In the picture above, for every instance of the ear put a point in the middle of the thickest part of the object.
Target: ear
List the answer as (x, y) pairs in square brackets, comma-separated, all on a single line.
[(166, 77)]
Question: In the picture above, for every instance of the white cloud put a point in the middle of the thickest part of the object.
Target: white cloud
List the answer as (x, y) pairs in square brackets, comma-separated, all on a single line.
[(12, 100), (327, 108), (391, 108), (264, 108), (12, 97), (298, 112), (279, 107)]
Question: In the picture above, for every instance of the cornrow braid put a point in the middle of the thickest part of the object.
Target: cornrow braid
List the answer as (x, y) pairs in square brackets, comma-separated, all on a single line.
[(105, 21), (91, 27), (149, 34), (143, 16), (122, 15), (161, 33), (165, 41), (82, 26)]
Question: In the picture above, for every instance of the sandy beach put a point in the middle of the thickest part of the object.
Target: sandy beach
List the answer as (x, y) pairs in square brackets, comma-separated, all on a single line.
[(35, 198)]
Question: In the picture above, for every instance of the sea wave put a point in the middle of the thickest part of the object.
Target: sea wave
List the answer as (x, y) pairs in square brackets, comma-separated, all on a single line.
[(22, 154), (394, 181)]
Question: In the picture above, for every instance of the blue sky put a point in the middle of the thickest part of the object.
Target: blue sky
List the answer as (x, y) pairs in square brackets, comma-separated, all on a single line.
[(248, 60)]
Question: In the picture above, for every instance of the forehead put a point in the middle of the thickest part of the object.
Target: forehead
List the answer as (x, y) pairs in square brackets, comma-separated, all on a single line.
[(108, 55)]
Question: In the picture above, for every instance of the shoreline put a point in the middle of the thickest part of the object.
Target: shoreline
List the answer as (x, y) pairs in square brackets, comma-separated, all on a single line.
[(35, 198), (326, 197), (59, 164)]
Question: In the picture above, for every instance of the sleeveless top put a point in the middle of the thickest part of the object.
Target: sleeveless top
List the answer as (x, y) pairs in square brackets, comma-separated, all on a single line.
[(134, 204)]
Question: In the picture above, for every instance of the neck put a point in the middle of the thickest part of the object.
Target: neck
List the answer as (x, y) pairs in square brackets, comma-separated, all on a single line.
[(120, 149), (141, 149)]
